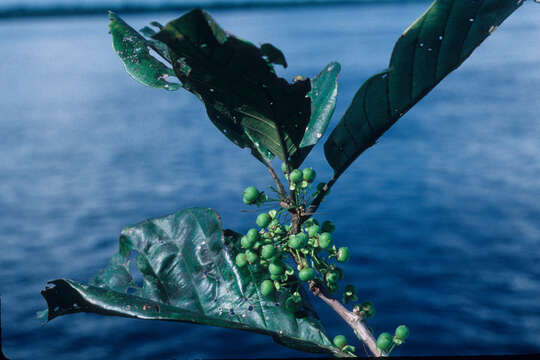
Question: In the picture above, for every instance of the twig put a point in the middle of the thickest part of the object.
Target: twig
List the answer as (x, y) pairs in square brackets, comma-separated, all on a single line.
[(319, 198), (355, 321), (281, 190)]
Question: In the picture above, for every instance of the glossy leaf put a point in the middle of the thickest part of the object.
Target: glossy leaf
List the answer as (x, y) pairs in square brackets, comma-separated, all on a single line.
[(238, 85), (133, 50), (189, 275), (323, 97), (434, 45)]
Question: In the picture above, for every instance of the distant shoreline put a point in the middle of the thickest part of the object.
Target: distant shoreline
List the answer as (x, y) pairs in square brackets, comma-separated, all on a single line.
[(53, 11)]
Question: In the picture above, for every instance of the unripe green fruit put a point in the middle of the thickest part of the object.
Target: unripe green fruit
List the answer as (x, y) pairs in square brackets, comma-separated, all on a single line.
[(252, 235), (241, 260), (263, 220), (273, 224), (275, 277), (343, 254), (308, 174), (340, 341), (314, 230), (332, 277), (325, 240), (384, 341), (368, 310), (291, 305), (294, 243), (328, 226), (402, 332), (295, 176), (306, 274), (251, 256), (283, 167), (251, 194), (267, 287), (302, 238), (246, 242), (268, 251), (275, 269)]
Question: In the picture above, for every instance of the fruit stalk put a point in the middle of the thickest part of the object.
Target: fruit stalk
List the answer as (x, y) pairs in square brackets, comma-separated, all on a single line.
[(355, 321)]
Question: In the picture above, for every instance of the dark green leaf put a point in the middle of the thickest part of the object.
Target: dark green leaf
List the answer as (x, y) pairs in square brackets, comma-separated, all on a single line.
[(133, 50), (323, 96), (238, 85), (434, 45), (273, 54), (189, 275)]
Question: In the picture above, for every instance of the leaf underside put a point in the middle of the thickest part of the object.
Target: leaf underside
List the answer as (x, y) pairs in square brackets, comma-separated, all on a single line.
[(189, 275), (323, 97), (433, 46)]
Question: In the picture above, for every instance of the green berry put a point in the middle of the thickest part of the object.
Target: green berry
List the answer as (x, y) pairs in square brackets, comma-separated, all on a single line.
[(308, 174), (328, 226), (246, 242), (340, 341), (306, 274), (368, 310), (251, 256), (268, 251), (252, 235), (332, 277), (296, 176), (283, 167), (402, 332), (251, 194), (274, 224), (343, 254), (291, 304), (302, 238), (314, 230), (275, 269), (293, 242), (325, 240), (384, 341), (263, 220), (267, 287), (241, 260)]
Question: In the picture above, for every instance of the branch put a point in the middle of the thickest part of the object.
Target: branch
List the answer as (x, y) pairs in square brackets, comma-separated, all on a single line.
[(355, 321), (281, 190)]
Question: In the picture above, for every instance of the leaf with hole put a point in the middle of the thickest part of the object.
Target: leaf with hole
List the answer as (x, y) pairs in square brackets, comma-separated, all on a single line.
[(189, 275), (238, 85)]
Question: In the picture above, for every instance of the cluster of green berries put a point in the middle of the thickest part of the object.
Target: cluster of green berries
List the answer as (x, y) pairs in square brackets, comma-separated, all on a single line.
[(387, 342), (272, 245), (299, 179)]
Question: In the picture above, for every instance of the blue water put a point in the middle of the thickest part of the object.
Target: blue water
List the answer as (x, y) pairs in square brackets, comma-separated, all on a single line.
[(442, 215)]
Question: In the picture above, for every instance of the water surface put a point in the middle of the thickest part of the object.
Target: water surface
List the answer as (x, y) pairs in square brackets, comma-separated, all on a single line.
[(442, 215)]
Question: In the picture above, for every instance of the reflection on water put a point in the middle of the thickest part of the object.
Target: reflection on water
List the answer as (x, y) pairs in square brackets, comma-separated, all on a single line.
[(442, 215)]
